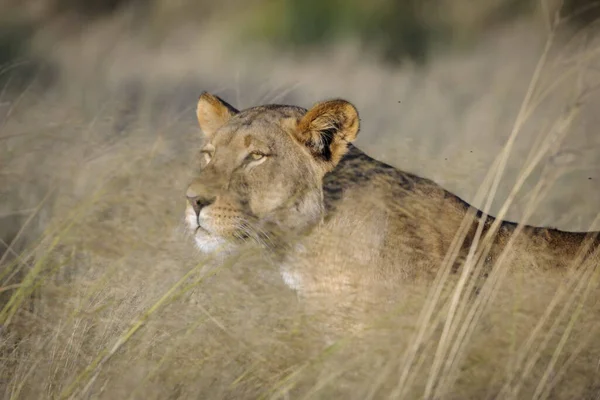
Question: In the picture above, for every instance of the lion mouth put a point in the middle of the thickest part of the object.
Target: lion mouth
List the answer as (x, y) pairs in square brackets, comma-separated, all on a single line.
[(202, 233), (208, 242), (201, 229)]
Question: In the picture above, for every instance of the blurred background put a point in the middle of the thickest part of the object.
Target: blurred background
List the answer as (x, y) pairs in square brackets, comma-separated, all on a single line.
[(97, 130), (438, 83)]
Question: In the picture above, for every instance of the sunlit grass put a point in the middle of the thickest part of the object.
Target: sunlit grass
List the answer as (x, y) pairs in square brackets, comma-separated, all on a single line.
[(111, 300)]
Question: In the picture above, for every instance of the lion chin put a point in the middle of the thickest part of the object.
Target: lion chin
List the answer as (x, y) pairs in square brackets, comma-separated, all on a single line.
[(209, 244)]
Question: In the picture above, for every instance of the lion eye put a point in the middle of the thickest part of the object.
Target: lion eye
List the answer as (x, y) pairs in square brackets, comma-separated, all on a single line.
[(257, 156)]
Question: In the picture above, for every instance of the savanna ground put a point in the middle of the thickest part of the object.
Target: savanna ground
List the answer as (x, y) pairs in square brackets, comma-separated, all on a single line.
[(102, 294)]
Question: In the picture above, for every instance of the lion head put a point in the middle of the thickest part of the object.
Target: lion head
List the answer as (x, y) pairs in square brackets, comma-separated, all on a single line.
[(260, 172)]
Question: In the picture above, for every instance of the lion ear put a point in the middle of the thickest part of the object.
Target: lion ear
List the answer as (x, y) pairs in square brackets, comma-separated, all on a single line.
[(213, 112), (326, 129)]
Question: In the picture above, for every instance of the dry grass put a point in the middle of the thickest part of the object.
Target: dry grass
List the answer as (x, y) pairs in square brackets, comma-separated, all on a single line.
[(113, 301)]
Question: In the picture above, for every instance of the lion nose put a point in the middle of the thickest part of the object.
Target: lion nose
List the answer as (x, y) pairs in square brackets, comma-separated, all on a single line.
[(197, 201)]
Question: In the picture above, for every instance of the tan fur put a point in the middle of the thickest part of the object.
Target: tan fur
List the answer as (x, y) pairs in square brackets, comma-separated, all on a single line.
[(212, 113), (333, 115), (341, 224)]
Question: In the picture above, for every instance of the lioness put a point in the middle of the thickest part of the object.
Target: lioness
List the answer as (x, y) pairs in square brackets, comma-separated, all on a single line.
[(337, 220)]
